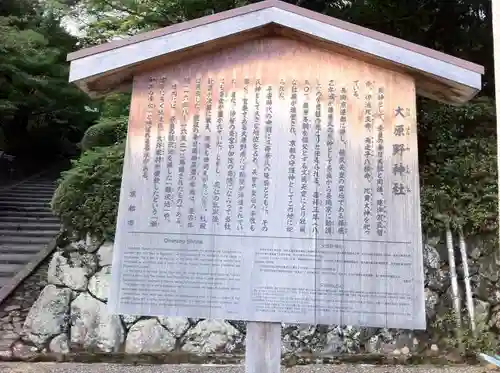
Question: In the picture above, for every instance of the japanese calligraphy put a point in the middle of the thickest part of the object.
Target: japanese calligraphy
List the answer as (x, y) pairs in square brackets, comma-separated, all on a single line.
[(228, 220), (159, 154), (243, 156), (168, 201), (329, 221), (342, 228), (292, 158), (381, 216), (304, 170), (255, 156)]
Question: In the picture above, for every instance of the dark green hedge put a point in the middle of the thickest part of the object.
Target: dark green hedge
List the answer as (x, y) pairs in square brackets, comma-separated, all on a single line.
[(106, 132), (86, 199)]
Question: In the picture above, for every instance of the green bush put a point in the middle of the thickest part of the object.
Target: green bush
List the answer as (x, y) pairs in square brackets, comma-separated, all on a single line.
[(106, 132), (461, 338), (86, 199)]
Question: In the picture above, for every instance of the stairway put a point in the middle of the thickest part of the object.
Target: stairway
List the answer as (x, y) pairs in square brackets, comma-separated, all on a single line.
[(27, 224)]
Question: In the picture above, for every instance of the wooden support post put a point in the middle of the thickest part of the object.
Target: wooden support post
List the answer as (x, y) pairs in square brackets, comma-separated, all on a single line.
[(263, 347)]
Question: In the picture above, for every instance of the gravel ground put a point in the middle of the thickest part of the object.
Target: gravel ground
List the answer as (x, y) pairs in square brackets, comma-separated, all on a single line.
[(15, 308), (118, 368)]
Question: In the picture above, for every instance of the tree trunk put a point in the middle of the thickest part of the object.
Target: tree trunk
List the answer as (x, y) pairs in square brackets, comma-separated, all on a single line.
[(468, 291), (453, 274)]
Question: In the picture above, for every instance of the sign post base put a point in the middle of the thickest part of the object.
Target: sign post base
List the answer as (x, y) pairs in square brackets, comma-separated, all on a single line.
[(263, 347)]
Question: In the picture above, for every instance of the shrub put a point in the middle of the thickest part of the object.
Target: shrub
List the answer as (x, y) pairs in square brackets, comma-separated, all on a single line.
[(106, 132), (86, 199), (461, 338)]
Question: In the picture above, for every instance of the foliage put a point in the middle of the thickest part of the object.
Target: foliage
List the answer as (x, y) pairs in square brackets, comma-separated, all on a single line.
[(115, 105), (456, 144), (86, 199), (106, 132), (38, 107), (462, 338), (458, 166), (425, 22)]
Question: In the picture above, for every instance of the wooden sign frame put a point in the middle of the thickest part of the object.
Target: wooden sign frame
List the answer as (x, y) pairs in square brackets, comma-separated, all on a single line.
[(371, 65)]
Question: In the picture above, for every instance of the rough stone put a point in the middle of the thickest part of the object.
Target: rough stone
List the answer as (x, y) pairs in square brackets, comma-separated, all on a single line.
[(437, 280), (473, 268), (75, 245), (487, 291), (18, 327), (488, 268), (148, 336), (6, 343), (495, 319), (6, 354), (99, 284), (494, 297), (48, 316), (446, 300), (475, 252), (11, 308), (372, 345), (431, 300), (405, 351), (210, 336), (334, 344), (350, 337), (129, 319), (54, 272), (72, 272), (21, 350), (10, 335), (84, 260), (431, 257), (60, 344), (481, 311), (176, 325), (105, 254), (92, 325), (307, 338), (92, 243)]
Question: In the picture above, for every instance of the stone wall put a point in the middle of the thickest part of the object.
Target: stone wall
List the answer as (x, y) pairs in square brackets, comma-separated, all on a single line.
[(70, 314)]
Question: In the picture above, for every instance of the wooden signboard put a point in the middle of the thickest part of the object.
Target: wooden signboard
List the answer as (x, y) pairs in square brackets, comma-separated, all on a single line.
[(272, 182), (271, 170)]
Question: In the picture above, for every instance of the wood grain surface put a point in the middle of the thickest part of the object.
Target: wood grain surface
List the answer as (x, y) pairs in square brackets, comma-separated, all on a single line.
[(272, 182)]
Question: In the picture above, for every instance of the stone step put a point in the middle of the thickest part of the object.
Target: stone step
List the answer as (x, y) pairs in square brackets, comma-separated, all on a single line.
[(14, 203), (15, 258), (46, 219), (4, 280), (4, 233), (20, 248), (41, 181), (25, 198), (19, 192), (21, 226), (26, 210), (26, 240), (9, 269), (35, 187), (22, 192)]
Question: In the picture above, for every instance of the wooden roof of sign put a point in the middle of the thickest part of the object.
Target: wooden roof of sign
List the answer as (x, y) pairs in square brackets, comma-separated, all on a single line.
[(111, 66)]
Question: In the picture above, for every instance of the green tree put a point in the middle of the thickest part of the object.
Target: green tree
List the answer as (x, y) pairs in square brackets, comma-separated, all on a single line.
[(456, 145), (39, 110)]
